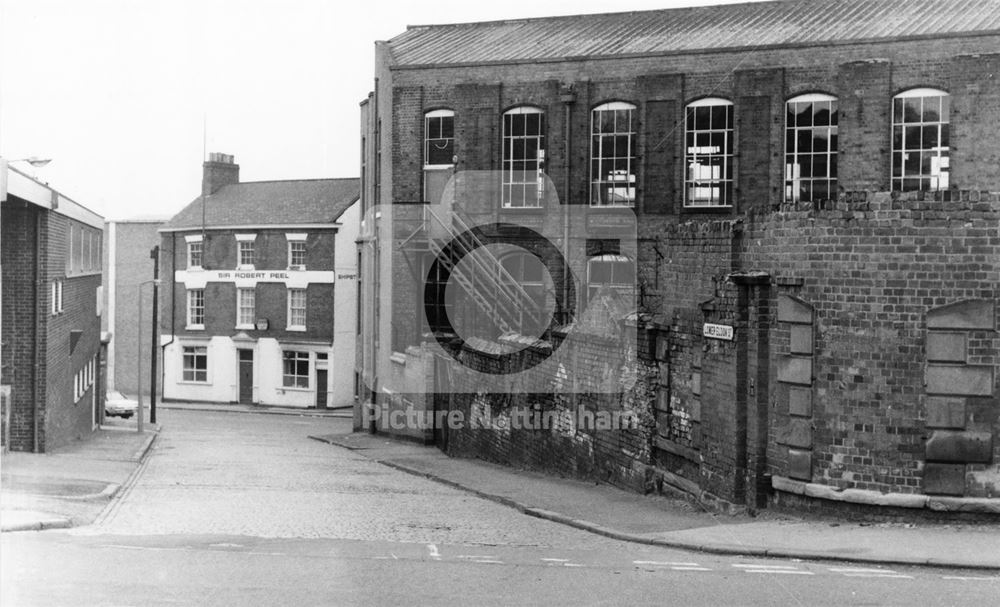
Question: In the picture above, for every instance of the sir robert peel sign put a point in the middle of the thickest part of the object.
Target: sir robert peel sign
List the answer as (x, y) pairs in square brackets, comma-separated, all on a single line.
[(197, 279)]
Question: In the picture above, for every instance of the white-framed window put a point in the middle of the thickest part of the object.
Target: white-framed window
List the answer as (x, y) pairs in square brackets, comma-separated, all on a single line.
[(195, 252), (523, 157), (194, 364), (196, 309), (84, 379), (296, 251), (920, 140), (245, 251), (57, 297), (708, 153), (439, 152), (616, 272), (612, 155), (811, 148), (295, 369), (296, 309), (246, 308)]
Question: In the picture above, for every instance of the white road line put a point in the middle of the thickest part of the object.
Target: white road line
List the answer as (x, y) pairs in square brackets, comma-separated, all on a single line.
[(572, 565), (665, 563), (754, 566), (891, 575), (858, 570), (690, 569), (475, 556), (496, 562), (433, 550), (788, 571), (557, 560), (970, 577)]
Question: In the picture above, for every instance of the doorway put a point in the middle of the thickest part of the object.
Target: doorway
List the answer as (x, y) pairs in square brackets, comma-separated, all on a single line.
[(245, 377), (321, 388)]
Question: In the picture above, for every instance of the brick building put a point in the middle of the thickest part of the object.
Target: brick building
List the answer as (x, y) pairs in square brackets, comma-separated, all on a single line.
[(52, 354), (816, 265), (128, 264), (261, 305)]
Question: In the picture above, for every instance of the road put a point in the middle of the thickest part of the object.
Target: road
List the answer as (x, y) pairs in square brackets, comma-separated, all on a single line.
[(240, 509)]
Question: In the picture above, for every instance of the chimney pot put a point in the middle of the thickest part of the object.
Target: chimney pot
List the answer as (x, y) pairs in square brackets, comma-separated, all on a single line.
[(218, 171)]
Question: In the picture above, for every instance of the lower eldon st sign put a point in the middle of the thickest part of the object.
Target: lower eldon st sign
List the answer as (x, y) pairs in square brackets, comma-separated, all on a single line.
[(717, 331)]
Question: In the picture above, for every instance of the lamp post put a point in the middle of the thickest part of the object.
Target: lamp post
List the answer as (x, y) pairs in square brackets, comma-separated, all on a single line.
[(138, 351)]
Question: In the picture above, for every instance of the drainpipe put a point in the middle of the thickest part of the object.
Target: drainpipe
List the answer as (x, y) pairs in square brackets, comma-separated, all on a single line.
[(36, 334), (567, 96)]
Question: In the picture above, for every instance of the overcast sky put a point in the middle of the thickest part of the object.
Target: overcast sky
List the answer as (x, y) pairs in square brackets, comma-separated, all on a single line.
[(116, 91)]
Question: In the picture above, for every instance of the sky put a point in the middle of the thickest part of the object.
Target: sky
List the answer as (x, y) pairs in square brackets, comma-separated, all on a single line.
[(127, 96)]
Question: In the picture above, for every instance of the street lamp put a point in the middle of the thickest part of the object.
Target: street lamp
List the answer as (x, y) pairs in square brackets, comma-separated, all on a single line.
[(138, 349), (34, 161)]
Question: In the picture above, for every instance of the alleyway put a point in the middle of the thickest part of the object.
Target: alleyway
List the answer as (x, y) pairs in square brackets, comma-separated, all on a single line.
[(246, 509)]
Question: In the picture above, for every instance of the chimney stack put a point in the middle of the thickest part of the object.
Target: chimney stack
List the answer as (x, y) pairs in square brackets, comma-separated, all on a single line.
[(219, 170)]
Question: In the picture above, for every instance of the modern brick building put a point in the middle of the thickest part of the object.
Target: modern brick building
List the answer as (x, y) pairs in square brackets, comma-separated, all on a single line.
[(260, 292), (127, 265), (52, 300), (816, 267)]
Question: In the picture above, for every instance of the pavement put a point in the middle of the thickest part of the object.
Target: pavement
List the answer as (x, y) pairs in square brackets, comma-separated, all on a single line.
[(74, 485)]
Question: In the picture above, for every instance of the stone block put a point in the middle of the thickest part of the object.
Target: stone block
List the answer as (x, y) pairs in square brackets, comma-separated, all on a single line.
[(800, 401), (801, 337), (800, 464), (696, 383), (959, 446), (794, 310), (795, 370), (798, 433), (662, 400), (664, 374), (959, 380), (662, 346), (945, 412), (970, 314), (946, 347), (944, 479), (695, 410)]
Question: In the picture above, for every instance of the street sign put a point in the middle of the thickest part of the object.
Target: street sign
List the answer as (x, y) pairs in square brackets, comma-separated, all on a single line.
[(717, 331)]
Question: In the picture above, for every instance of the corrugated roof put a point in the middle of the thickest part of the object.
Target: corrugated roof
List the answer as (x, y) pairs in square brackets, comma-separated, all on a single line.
[(271, 203), (787, 22)]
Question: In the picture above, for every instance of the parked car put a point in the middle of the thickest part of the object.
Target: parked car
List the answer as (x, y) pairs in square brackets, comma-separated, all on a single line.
[(119, 406)]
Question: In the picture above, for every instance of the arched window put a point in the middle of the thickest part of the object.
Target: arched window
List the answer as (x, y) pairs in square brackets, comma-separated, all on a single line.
[(439, 152), (811, 148), (530, 273), (612, 155), (920, 152), (523, 156), (613, 271), (708, 153)]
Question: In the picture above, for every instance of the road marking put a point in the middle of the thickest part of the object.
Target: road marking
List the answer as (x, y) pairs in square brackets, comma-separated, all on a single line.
[(474, 556), (690, 569), (971, 577), (492, 561), (433, 550), (572, 565), (557, 560), (788, 571), (891, 575), (755, 566), (665, 563), (859, 570)]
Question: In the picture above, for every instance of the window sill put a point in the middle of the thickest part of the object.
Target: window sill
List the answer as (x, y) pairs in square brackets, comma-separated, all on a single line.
[(195, 328), (398, 357), (195, 269), (294, 389), (716, 209), (296, 328), (630, 205), (295, 268), (249, 268), (193, 382), (247, 327), (535, 209)]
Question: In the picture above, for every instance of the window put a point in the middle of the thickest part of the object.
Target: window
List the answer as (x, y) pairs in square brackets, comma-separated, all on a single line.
[(84, 379), (297, 309), (196, 309), (612, 155), (245, 252), (296, 251), (295, 369), (609, 271), (523, 157), (245, 308), (811, 148), (920, 148), (439, 152), (708, 153), (195, 363), (195, 251), (530, 273), (57, 297)]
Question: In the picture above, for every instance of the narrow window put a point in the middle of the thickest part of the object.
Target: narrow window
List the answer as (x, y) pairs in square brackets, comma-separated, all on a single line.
[(196, 309), (194, 255), (811, 148), (295, 369), (195, 363), (523, 157), (246, 308), (610, 272), (246, 254), (920, 140), (612, 155), (708, 153), (439, 152), (529, 272), (297, 309)]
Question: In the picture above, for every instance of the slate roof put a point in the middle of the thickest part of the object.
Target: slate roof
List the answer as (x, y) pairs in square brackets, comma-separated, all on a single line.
[(732, 26), (264, 203)]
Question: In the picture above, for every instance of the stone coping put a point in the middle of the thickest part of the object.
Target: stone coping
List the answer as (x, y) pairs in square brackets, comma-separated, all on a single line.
[(938, 503)]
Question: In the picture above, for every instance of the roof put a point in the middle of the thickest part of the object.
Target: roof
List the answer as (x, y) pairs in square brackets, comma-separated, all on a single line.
[(679, 30), (264, 203)]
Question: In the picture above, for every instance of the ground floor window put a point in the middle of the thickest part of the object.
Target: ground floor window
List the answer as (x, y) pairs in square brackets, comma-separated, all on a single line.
[(195, 363), (295, 369)]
